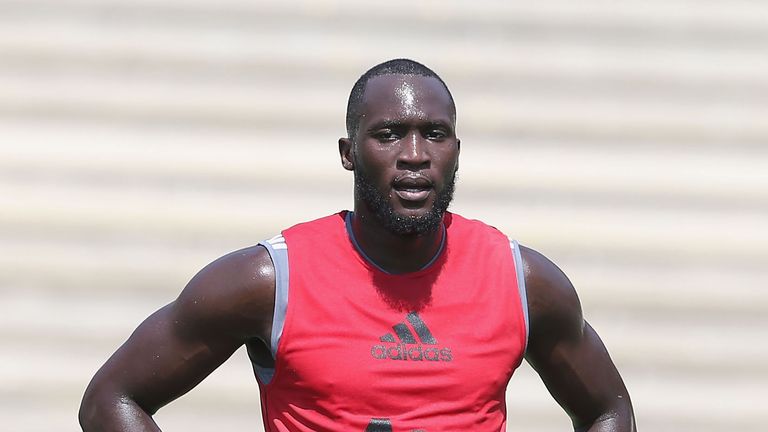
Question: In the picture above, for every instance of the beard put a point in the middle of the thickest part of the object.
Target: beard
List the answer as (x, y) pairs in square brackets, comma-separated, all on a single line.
[(378, 203)]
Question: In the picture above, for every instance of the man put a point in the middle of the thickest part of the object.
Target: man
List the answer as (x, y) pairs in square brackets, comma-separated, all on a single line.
[(398, 316)]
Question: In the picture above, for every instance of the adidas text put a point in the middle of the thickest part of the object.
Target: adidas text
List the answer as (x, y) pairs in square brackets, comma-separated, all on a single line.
[(414, 353)]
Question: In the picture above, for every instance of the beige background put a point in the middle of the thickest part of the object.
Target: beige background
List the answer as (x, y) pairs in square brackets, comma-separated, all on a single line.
[(626, 140)]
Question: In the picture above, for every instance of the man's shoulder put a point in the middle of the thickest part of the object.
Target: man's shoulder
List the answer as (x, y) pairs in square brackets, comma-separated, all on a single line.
[(235, 292), (249, 269), (455, 220), (317, 229), (334, 219), (466, 227), (241, 261), (552, 299)]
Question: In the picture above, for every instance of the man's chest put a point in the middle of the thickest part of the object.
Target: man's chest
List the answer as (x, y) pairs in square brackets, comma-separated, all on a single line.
[(356, 355)]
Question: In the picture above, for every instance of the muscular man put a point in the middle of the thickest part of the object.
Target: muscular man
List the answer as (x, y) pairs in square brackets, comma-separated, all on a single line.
[(397, 316)]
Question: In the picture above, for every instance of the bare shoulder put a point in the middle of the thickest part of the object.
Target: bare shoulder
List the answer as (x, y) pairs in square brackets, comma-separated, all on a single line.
[(553, 304), (233, 295)]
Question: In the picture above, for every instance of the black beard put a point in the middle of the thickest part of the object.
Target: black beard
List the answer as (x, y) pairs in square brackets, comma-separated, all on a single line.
[(398, 224)]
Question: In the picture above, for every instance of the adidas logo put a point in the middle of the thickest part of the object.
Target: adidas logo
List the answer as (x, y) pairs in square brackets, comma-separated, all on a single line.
[(405, 346)]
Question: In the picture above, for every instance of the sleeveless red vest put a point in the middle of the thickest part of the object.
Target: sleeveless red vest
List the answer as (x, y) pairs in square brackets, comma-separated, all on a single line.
[(363, 350)]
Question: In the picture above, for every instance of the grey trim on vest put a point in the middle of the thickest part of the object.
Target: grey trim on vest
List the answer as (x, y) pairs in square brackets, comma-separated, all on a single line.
[(351, 234), (521, 286), (278, 253), (264, 374)]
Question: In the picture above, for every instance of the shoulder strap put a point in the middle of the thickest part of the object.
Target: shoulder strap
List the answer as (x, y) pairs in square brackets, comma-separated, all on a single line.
[(278, 253), (517, 256)]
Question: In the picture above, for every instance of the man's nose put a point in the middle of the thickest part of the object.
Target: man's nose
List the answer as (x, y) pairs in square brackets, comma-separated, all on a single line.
[(414, 152)]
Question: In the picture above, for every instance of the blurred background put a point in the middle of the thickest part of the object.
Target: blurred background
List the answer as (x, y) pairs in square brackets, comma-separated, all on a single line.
[(626, 140)]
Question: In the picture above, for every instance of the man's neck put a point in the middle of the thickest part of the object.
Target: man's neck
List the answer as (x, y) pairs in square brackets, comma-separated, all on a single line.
[(391, 252)]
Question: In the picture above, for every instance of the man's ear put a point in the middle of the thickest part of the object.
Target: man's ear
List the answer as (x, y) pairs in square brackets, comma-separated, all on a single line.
[(345, 151)]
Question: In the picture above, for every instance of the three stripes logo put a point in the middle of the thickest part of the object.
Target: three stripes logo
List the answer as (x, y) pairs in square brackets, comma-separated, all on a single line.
[(405, 347)]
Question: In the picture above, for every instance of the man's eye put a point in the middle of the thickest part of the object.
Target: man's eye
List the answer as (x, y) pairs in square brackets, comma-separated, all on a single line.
[(385, 136), (436, 134)]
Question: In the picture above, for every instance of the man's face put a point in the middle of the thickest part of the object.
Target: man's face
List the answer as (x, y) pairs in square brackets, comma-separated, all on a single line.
[(405, 154)]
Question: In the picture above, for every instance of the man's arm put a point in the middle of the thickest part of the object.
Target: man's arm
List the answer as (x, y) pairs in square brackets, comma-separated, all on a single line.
[(568, 354), (229, 302)]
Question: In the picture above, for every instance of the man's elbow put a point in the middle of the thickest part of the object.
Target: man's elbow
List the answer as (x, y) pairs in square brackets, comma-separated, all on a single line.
[(100, 408), (88, 409), (107, 407), (619, 417), (94, 406)]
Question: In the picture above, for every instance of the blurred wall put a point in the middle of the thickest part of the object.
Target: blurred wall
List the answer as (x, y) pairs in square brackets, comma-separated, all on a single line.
[(627, 141)]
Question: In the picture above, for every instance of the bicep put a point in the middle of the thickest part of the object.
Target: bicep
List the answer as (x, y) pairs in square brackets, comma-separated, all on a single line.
[(580, 375), (164, 358), (225, 304)]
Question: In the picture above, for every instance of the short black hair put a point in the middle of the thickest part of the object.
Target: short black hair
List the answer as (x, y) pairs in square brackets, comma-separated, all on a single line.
[(390, 67)]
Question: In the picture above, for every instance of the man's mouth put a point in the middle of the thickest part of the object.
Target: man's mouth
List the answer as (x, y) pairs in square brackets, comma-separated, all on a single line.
[(412, 187)]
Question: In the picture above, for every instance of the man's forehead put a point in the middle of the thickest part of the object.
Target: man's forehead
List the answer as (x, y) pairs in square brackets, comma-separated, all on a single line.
[(409, 92)]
